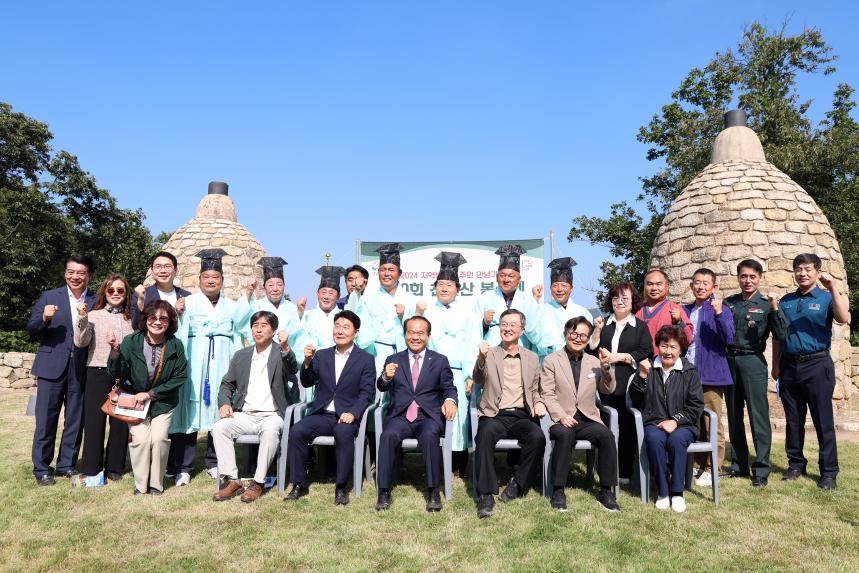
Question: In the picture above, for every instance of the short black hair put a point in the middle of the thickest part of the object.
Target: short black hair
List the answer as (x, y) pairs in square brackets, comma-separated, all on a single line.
[(510, 311), (661, 272), (164, 254), (84, 260), (269, 317), (705, 271), (671, 332), (350, 316), (750, 264), (574, 323), (358, 268), (417, 317), (806, 258), (154, 306), (617, 290)]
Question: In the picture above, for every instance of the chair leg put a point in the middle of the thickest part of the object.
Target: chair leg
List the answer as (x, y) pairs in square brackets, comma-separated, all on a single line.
[(447, 462), (688, 481), (358, 469), (644, 475), (715, 478), (547, 469)]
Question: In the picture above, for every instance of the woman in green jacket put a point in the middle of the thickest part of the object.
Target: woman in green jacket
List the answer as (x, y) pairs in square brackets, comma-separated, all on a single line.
[(151, 365)]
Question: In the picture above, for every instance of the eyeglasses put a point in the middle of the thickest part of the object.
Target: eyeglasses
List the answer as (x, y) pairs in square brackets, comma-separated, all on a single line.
[(577, 335), (625, 299), (510, 325), (152, 319), (167, 267), (416, 333), (115, 290)]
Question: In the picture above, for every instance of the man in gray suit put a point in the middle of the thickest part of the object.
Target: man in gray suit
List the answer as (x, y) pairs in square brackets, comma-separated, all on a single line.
[(509, 408), (254, 394)]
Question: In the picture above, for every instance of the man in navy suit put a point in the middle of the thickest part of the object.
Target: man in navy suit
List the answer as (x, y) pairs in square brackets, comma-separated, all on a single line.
[(60, 368), (420, 385), (343, 376), (163, 267)]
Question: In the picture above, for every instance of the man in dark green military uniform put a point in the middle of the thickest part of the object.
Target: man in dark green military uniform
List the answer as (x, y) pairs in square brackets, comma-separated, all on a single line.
[(755, 318)]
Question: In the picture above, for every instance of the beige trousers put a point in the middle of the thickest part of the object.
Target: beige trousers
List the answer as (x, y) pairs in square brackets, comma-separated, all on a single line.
[(148, 451), (267, 426), (714, 397)]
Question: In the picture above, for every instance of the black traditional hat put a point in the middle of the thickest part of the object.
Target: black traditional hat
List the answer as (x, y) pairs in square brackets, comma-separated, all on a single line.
[(330, 277), (562, 270), (389, 253), (272, 267), (509, 256), (449, 266), (210, 260)]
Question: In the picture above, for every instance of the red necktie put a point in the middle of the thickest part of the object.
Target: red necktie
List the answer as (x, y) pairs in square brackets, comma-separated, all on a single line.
[(412, 412)]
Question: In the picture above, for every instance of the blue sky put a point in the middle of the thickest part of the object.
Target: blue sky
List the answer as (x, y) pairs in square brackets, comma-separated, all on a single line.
[(410, 121)]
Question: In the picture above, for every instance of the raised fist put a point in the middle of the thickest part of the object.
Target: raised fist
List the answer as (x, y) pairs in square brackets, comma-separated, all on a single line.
[(390, 370), (420, 308), (537, 292), (49, 312), (675, 316), (644, 368), (400, 310), (81, 309), (484, 350), (111, 340), (605, 357), (283, 337), (774, 299), (488, 316), (599, 322), (309, 351), (180, 305), (302, 304)]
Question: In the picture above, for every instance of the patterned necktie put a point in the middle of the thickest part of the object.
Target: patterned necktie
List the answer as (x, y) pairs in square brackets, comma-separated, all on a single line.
[(412, 412)]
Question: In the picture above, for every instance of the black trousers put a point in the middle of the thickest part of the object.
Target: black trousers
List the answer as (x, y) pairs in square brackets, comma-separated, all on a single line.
[(627, 442), (426, 431), (510, 424), (808, 386), (93, 459), (599, 436), (67, 392), (183, 452), (310, 428)]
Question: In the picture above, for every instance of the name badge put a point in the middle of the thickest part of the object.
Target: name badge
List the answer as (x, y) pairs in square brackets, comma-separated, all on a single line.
[(814, 306)]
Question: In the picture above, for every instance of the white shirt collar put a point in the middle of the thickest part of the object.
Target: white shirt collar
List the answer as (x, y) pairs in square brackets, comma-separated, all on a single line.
[(74, 298), (422, 354), (678, 365), (629, 319), (345, 353), (265, 353)]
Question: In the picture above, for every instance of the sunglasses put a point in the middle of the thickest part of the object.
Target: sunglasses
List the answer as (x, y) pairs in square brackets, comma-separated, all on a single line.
[(114, 290), (152, 319)]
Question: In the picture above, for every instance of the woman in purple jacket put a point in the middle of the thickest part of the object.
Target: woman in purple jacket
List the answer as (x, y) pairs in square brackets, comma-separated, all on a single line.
[(714, 330)]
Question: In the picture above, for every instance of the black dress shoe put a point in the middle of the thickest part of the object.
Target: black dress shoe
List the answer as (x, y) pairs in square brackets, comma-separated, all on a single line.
[(137, 492), (383, 502), (154, 491), (607, 500), (827, 483), (113, 476), (735, 473), (434, 500), (341, 496), (298, 491), (485, 506), (510, 492), (793, 473), (65, 473), (559, 500), (46, 479), (759, 481)]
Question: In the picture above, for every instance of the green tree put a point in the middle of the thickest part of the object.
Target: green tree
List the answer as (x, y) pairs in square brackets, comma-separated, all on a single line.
[(759, 76), (50, 207)]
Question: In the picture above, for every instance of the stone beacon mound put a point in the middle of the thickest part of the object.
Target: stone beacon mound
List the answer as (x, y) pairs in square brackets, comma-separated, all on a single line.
[(216, 226), (742, 206)]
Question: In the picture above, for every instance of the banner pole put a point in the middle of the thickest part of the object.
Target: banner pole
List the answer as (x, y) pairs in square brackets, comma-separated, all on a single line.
[(551, 245), (357, 251)]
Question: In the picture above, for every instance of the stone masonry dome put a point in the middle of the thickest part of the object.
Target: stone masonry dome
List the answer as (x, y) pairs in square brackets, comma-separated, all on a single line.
[(741, 206), (216, 226)]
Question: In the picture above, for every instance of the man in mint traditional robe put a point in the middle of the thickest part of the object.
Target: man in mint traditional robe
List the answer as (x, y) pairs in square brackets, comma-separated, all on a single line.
[(506, 296), (555, 313), (389, 306), (457, 334), (285, 310), (210, 330)]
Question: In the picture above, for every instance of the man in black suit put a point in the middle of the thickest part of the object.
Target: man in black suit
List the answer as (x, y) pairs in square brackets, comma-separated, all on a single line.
[(163, 267), (343, 376), (422, 395), (60, 369)]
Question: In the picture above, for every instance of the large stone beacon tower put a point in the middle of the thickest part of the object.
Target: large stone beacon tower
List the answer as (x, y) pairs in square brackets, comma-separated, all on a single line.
[(216, 225), (741, 206)]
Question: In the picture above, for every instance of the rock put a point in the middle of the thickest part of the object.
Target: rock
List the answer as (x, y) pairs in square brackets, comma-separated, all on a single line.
[(23, 383), (13, 359), (5, 371)]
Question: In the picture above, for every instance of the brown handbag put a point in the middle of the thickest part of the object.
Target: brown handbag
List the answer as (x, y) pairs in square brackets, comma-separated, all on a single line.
[(109, 406)]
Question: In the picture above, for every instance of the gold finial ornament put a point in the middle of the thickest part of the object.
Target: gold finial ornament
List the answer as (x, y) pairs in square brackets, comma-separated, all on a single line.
[(327, 260)]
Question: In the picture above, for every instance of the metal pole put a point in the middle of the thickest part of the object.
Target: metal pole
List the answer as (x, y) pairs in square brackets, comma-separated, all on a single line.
[(357, 251), (551, 245)]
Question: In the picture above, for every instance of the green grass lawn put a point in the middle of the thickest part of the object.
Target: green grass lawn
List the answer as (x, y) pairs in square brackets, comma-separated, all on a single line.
[(785, 527)]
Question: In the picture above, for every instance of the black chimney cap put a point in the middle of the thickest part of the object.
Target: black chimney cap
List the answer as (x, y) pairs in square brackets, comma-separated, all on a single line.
[(218, 188), (735, 118)]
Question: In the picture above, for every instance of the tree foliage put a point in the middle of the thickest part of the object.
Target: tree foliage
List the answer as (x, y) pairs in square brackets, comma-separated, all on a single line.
[(49, 208), (761, 76)]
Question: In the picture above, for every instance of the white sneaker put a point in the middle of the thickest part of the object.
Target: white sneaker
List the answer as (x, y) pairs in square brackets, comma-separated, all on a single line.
[(183, 478), (213, 473), (704, 480), (663, 503), (678, 503)]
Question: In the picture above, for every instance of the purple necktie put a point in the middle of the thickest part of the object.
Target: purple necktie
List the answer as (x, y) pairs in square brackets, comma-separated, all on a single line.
[(412, 412)]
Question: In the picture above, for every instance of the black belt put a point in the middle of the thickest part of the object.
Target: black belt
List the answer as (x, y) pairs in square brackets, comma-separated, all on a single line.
[(742, 351), (800, 358)]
